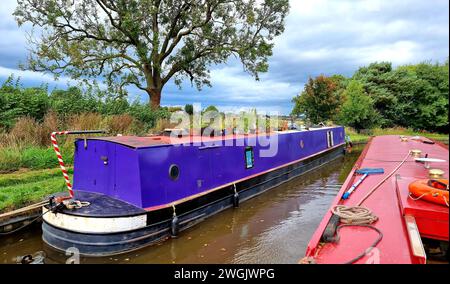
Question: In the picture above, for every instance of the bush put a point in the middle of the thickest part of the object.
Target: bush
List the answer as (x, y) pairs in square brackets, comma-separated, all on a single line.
[(147, 116), (358, 110), (174, 109), (24, 132), (51, 123), (114, 106), (85, 121), (16, 102), (210, 109), (72, 101)]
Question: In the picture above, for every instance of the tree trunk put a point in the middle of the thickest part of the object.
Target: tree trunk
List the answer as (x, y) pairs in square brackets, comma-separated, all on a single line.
[(154, 87), (155, 98)]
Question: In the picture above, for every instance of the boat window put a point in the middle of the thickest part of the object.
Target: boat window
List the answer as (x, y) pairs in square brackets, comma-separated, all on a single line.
[(249, 158), (302, 145), (174, 172)]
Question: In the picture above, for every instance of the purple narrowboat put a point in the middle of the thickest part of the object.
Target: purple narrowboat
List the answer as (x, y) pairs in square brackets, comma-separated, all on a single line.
[(142, 190)]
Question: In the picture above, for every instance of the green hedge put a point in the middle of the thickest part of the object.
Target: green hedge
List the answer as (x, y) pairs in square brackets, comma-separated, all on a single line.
[(17, 101)]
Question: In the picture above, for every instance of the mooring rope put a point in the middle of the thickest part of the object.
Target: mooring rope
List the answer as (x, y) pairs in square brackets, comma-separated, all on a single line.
[(383, 180), (355, 215), (28, 224), (370, 248), (24, 209)]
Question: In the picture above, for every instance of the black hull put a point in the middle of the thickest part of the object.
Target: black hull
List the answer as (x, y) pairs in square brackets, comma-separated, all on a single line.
[(188, 213)]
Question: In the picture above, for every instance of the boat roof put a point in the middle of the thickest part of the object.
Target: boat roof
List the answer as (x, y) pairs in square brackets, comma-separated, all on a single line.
[(390, 203), (160, 140), (165, 140)]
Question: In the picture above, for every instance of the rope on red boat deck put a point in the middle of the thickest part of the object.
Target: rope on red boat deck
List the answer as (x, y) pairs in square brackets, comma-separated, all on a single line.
[(369, 249), (383, 180), (355, 215)]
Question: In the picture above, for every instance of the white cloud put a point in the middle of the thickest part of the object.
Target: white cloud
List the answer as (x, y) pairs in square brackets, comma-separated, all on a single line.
[(319, 30)]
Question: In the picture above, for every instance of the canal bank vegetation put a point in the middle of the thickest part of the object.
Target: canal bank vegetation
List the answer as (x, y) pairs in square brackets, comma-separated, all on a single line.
[(25, 187), (362, 137), (414, 98), (29, 115)]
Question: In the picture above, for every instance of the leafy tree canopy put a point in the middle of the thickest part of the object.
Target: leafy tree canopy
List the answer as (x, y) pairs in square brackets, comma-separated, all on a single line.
[(358, 109), (414, 96), (320, 99), (146, 43)]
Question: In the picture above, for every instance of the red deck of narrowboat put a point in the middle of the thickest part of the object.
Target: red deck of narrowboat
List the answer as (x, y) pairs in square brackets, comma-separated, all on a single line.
[(409, 228)]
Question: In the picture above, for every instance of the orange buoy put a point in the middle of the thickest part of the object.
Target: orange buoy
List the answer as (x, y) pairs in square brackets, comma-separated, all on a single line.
[(433, 190)]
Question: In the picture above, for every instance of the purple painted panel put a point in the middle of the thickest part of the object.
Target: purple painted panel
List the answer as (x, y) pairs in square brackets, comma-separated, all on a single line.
[(90, 173), (127, 184), (107, 168)]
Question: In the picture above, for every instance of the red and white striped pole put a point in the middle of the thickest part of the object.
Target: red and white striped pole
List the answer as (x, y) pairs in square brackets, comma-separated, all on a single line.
[(60, 159), (58, 153)]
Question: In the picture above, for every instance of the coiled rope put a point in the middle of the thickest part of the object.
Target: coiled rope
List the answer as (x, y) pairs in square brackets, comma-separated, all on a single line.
[(355, 215), (358, 216), (75, 204)]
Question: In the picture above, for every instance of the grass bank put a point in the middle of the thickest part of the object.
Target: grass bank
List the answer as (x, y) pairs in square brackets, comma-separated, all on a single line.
[(28, 186), (35, 158), (364, 136)]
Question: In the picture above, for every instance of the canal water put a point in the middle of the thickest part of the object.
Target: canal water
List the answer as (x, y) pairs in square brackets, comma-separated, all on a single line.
[(274, 227)]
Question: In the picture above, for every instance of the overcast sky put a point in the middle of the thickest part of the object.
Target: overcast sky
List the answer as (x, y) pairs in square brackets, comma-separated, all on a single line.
[(321, 37)]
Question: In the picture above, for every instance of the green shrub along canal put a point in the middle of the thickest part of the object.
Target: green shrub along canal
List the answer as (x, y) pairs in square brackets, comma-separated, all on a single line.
[(271, 228)]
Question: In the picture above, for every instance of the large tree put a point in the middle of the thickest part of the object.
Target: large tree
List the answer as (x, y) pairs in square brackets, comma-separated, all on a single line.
[(320, 99), (146, 43), (358, 109), (411, 95)]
